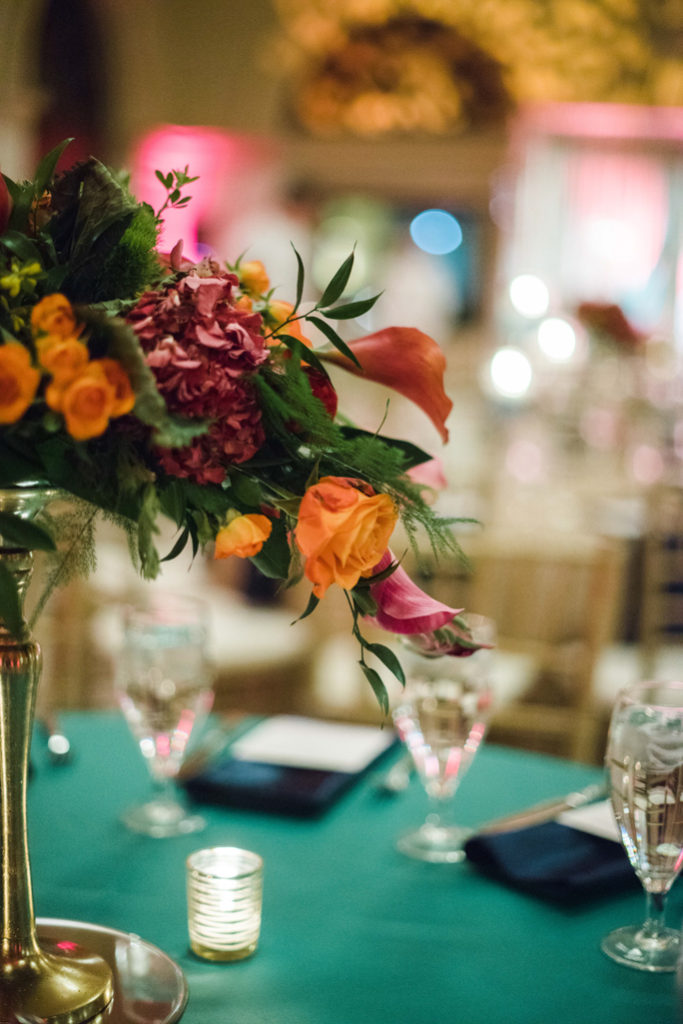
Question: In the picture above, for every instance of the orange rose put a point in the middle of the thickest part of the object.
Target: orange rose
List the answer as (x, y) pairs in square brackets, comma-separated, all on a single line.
[(86, 403), (54, 315), (343, 531), (253, 277), (244, 536), (118, 378), (63, 357), (278, 311), (18, 381)]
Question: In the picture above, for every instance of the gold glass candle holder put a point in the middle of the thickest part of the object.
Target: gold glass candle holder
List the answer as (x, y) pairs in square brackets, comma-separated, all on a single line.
[(224, 897)]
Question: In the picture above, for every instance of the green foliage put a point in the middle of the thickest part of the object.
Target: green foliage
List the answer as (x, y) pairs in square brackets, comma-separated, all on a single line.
[(133, 262), (174, 182), (93, 212)]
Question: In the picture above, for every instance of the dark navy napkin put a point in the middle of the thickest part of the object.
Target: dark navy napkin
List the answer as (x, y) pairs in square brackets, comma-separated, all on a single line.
[(275, 789), (553, 862)]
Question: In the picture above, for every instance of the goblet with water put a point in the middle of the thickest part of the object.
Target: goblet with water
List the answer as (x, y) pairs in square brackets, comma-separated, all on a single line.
[(164, 689), (441, 717), (644, 762)]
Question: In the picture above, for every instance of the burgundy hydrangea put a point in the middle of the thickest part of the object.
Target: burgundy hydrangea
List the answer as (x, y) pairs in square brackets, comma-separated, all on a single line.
[(203, 348)]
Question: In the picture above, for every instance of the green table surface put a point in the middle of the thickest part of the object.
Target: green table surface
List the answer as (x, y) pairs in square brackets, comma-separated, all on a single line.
[(353, 932)]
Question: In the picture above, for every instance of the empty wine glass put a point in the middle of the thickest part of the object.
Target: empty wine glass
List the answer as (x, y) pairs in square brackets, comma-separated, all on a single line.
[(441, 717), (645, 769), (164, 689)]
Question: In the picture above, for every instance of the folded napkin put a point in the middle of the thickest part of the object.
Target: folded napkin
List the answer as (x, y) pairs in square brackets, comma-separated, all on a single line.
[(553, 862), (292, 765)]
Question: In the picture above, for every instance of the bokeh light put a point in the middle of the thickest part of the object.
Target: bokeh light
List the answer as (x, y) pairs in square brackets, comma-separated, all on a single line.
[(511, 372), (436, 232), (529, 295), (557, 339)]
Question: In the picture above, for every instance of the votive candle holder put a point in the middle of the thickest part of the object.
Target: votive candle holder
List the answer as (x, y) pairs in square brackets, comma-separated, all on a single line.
[(224, 899)]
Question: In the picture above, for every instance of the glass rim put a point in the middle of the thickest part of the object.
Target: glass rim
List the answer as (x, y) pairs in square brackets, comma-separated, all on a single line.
[(635, 693), (248, 863)]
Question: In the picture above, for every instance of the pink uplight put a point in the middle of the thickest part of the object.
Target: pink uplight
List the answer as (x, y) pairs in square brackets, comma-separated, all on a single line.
[(209, 153)]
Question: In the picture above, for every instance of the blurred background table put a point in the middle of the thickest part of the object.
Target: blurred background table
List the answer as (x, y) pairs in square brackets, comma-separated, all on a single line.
[(352, 930)]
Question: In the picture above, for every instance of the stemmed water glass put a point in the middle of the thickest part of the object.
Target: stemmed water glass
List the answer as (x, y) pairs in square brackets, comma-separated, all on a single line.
[(164, 690), (645, 771), (441, 718)]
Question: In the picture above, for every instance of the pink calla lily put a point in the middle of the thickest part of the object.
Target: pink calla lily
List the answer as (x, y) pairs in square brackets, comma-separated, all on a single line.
[(429, 474), (407, 360), (402, 607)]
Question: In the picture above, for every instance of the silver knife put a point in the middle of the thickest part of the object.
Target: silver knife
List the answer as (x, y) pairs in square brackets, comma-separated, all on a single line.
[(545, 810)]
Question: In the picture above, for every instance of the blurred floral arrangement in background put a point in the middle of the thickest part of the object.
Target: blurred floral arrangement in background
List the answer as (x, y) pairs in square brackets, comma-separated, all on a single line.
[(144, 386)]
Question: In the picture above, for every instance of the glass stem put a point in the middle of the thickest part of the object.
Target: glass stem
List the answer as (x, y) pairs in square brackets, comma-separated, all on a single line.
[(437, 811), (164, 789), (655, 910)]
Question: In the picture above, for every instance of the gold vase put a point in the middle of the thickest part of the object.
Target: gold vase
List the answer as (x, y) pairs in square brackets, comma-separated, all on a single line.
[(36, 982)]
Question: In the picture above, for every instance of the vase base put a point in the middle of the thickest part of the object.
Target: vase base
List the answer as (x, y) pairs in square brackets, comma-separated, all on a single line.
[(62, 984), (148, 984)]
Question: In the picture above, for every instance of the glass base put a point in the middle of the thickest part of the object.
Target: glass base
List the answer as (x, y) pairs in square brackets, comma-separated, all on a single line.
[(629, 946), (439, 844), (161, 819)]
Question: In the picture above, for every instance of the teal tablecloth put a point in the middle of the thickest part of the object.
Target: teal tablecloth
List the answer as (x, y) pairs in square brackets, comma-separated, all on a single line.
[(353, 932)]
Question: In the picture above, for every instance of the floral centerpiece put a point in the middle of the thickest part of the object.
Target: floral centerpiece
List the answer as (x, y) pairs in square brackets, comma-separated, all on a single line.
[(146, 386)]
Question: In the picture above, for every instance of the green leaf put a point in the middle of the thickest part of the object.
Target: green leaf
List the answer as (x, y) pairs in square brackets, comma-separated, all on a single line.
[(335, 288), (46, 168), (178, 547), (24, 194), (173, 503), (414, 456), (364, 601), (21, 246), (351, 310), (388, 659), (274, 557), (332, 336), (313, 603), (10, 604), (25, 534), (300, 274), (378, 687), (300, 351), (245, 490)]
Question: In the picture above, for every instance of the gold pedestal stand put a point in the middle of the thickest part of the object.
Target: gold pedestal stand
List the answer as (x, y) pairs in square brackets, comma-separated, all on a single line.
[(35, 985)]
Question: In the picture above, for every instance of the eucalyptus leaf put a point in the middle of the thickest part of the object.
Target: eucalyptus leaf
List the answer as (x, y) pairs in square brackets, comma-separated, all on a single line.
[(378, 687), (313, 603), (178, 547), (332, 336), (351, 310), (335, 289), (300, 274), (388, 659)]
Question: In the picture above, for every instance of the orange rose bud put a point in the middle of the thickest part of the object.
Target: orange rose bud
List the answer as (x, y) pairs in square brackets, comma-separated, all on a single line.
[(124, 396), (244, 536), (18, 381), (343, 530), (87, 403), (253, 277), (278, 311), (63, 357), (54, 315)]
